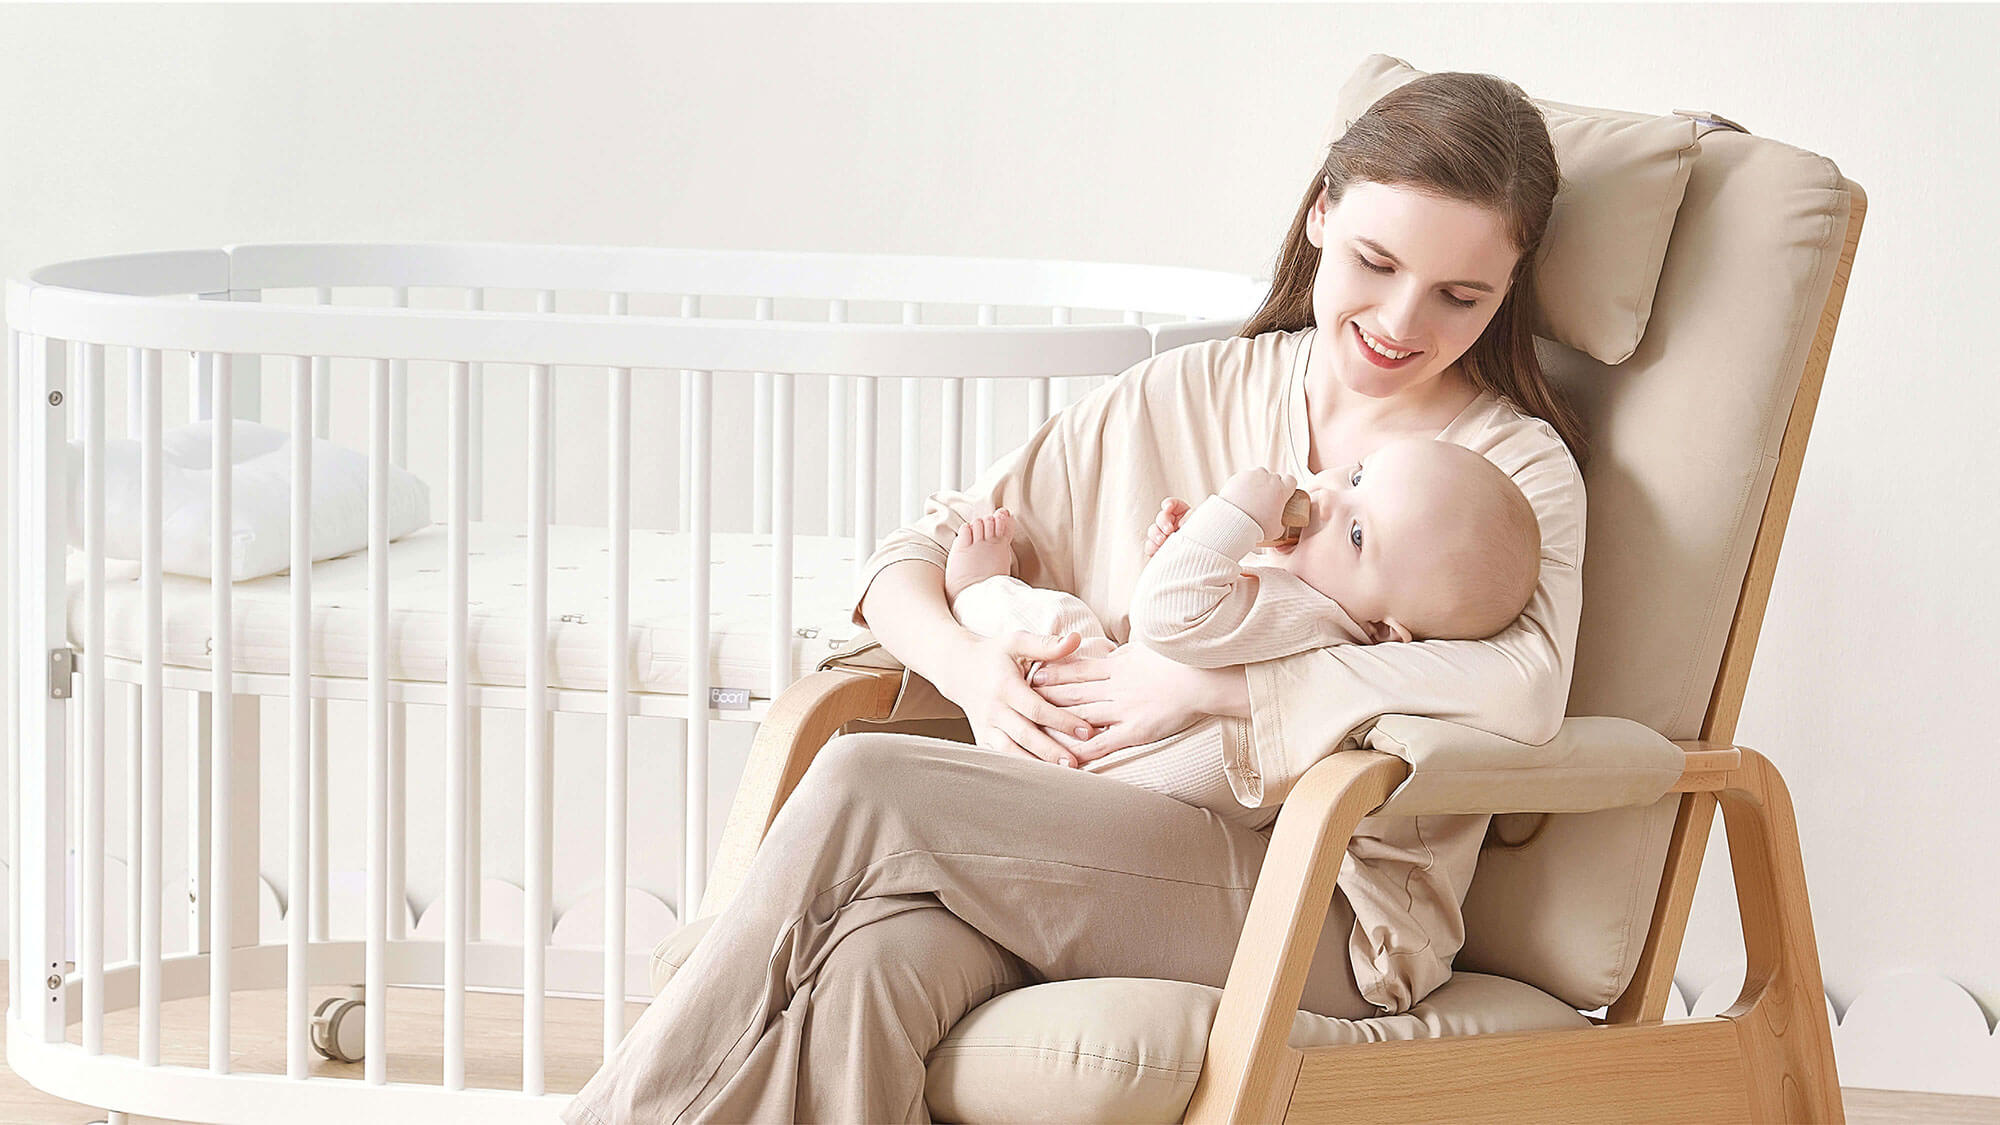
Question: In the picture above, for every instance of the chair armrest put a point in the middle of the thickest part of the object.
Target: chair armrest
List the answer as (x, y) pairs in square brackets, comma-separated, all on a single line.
[(801, 720), (1249, 1041), (1260, 998), (1593, 762)]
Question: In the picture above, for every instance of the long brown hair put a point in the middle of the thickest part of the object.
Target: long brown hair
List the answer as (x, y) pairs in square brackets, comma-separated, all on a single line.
[(1474, 138)]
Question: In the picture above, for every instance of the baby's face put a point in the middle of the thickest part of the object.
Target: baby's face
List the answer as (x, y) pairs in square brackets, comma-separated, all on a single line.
[(1375, 528)]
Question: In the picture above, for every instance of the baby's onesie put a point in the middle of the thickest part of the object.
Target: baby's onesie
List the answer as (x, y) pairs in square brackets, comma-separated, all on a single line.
[(1197, 605)]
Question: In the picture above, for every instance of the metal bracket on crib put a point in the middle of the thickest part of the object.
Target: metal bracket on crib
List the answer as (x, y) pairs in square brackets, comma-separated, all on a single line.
[(62, 666)]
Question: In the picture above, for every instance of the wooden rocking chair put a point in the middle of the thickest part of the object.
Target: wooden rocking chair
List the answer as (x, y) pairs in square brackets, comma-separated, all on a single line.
[(1698, 441)]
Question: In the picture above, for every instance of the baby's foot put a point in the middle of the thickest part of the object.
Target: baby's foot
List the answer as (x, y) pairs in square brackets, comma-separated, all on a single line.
[(982, 550)]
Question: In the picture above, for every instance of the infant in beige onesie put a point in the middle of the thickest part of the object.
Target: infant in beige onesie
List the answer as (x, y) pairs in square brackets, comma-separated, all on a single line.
[(1422, 539)]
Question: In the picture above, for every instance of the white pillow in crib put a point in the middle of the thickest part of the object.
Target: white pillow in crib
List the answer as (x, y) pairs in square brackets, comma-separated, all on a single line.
[(260, 500)]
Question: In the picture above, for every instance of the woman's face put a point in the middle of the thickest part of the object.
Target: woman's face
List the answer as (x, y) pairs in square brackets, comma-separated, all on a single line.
[(1400, 266)]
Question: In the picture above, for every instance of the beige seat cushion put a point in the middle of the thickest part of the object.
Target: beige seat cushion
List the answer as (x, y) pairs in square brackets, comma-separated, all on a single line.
[(1130, 1048)]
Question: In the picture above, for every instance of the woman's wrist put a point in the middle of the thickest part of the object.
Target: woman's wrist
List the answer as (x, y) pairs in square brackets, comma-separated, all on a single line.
[(1228, 691), (913, 621)]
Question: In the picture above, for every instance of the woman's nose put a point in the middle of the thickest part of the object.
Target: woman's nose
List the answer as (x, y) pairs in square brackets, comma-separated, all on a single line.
[(1401, 316)]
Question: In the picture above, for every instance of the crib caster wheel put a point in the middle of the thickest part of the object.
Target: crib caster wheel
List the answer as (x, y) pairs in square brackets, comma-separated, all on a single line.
[(338, 1032)]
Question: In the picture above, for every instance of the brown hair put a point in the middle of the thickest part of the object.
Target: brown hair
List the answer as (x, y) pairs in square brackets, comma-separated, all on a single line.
[(1473, 138)]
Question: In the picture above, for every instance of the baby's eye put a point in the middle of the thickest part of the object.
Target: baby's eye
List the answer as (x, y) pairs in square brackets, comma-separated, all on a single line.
[(1354, 477), (1354, 534)]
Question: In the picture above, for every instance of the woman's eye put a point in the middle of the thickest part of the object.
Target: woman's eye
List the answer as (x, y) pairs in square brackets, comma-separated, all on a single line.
[(1387, 269), (1354, 534)]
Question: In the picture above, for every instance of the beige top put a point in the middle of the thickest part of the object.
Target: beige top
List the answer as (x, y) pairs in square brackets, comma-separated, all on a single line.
[(1197, 604), (1083, 487)]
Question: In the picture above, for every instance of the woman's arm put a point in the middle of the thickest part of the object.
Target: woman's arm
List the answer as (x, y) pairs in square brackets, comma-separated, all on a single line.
[(1305, 706), (1514, 684), (905, 607)]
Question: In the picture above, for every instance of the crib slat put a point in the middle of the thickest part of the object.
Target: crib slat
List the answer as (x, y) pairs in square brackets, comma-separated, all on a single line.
[(475, 438), (864, 469), (299, 906), (322, 377), (222, 664), (837, 464), (986, 422), (455, 839), (318, 912), (535, 806), (397, 907), (16, 530), (135, 410), (690, 306), (399, 392), (951, 457), (135, 742), (201, 391), (616, 704), (40, 748), (1064, 390), (90, 937), (781, 536), (475, 509), (399, 450), (322, 911), (694, 851), (153, 721), (375, 1068), (760, 472), (545, 303), (911, 497)]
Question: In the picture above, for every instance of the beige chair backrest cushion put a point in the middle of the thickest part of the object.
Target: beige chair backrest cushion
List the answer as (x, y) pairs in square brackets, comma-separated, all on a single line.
[(1685, 437), (1624, 175)]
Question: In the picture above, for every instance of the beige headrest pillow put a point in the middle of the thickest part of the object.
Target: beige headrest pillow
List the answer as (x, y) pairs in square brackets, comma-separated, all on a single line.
[(1623, 178)]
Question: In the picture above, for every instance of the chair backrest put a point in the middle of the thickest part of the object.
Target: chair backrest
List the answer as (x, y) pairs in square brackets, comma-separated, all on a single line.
[(1697, 441)]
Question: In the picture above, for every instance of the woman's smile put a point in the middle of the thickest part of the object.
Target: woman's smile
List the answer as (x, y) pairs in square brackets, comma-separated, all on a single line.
[(1375, 357)]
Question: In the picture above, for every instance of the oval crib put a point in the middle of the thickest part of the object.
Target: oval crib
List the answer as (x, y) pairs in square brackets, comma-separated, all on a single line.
[(742, 548)]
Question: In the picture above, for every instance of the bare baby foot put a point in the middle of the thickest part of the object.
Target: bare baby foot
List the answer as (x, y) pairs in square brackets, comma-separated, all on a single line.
[(982, 550)]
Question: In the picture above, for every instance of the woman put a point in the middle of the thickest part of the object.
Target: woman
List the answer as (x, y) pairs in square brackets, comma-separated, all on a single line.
[(907, 880)]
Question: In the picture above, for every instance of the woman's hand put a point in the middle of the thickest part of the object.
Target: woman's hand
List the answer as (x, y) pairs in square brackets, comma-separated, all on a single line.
[(1133, 696), (1005, 713)]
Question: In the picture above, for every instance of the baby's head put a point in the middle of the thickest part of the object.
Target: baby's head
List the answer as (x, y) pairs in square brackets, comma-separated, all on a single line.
[(1421, 540)]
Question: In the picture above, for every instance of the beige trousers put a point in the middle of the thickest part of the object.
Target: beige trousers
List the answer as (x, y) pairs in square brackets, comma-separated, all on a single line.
[(906, 881)]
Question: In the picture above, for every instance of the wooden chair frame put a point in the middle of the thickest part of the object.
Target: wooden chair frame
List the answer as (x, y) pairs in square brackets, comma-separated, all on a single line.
[(1769, 1057)]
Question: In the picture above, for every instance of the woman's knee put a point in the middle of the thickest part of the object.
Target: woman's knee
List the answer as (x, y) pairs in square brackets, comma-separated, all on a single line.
[(854, 761), (941, 957)]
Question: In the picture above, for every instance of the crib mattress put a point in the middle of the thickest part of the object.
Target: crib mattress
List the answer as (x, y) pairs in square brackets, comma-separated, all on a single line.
[(740, 584)]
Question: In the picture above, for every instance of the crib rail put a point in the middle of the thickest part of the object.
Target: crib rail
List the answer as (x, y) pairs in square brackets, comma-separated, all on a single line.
[(266, 317)]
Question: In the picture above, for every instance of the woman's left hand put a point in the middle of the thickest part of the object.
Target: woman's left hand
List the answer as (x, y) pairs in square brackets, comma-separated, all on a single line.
[(1129, 697)]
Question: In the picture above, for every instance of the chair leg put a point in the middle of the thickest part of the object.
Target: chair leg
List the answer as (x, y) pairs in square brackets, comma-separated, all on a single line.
[(1780, 1016)]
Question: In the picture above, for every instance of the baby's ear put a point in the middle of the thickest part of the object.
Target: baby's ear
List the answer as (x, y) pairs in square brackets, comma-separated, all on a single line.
[(1387, 629)]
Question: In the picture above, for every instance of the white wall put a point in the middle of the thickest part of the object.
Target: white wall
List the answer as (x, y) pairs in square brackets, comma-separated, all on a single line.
[(1173, 134)]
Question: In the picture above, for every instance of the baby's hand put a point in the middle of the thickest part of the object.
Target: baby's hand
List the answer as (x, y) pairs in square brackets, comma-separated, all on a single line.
[(1172, 511), (1262, 495)]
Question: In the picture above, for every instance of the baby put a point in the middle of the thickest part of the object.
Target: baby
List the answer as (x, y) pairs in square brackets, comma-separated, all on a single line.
[(1422, 540)]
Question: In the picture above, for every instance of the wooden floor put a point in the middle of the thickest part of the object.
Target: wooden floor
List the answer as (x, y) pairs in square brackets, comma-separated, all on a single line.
[(573, 1045)]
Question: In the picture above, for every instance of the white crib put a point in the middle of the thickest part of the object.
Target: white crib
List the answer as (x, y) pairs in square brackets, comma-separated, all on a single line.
[(756, 333)]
